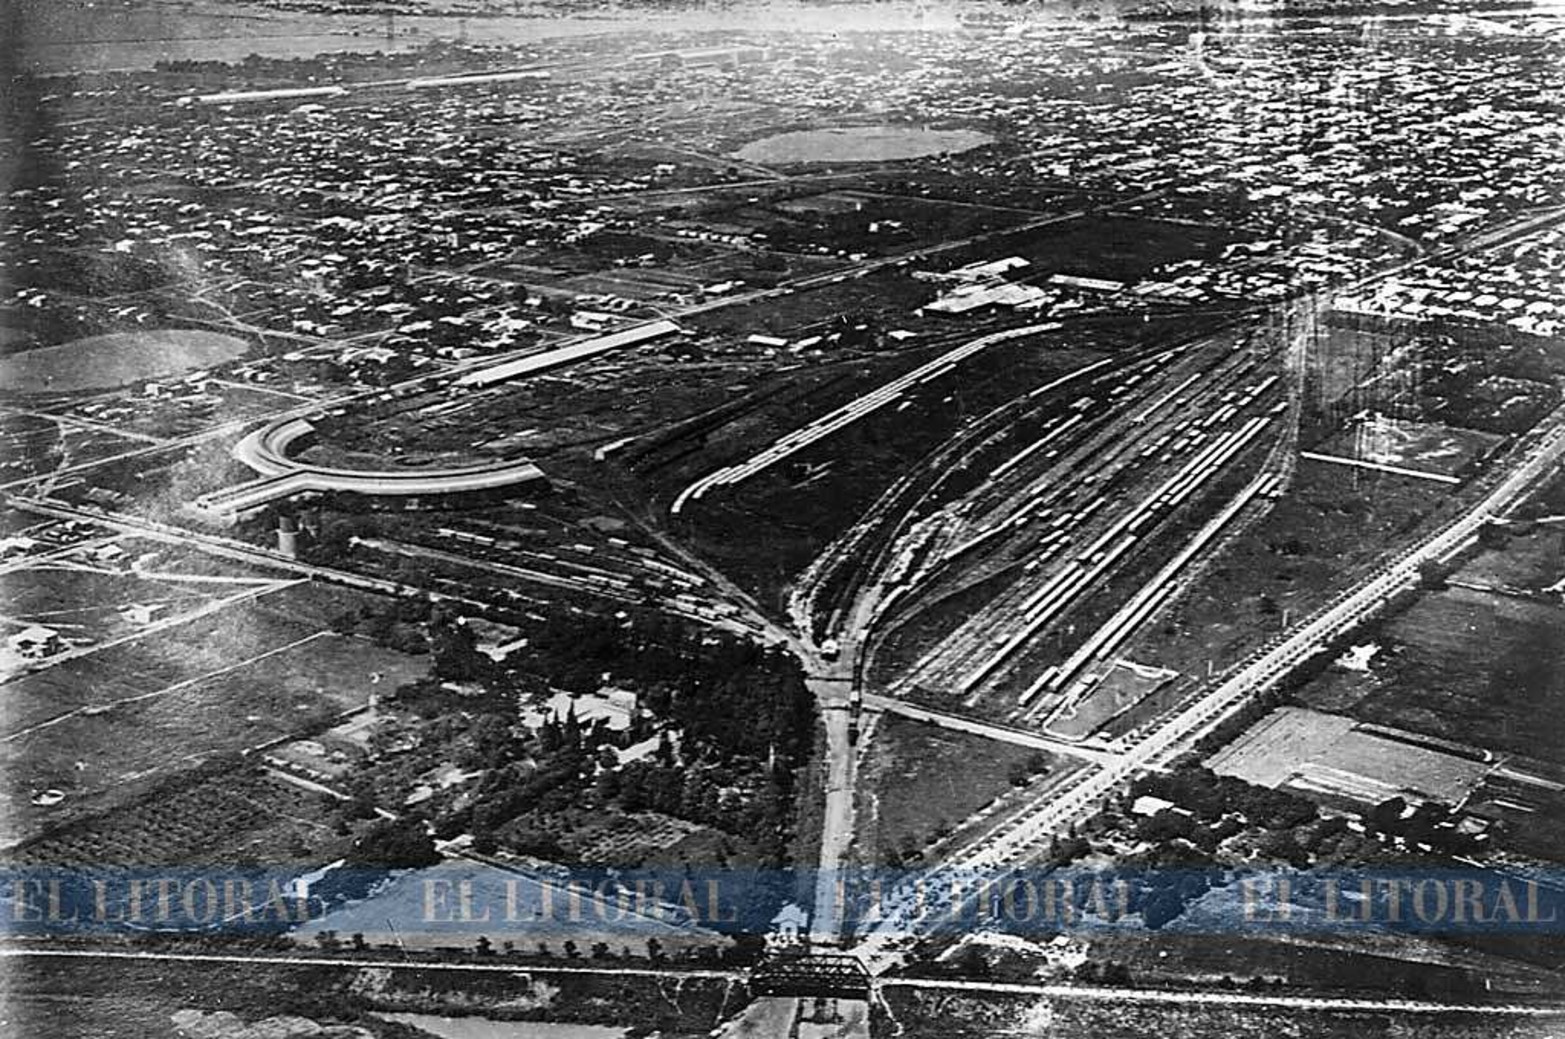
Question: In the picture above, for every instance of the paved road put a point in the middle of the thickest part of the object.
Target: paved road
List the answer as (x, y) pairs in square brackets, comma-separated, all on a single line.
[(837, 820), (1086, 749)]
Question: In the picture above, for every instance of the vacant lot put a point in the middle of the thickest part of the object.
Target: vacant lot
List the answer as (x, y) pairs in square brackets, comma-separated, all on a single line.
[(117, 359), (1330, 524), (1115, 248), (1421, 446), (89, 601), (88, 999), (947, 1015), (919, 780), (105, 727), (1463, 665)]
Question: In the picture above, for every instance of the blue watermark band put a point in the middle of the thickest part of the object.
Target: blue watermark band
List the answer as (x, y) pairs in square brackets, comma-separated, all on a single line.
[(468, 899)]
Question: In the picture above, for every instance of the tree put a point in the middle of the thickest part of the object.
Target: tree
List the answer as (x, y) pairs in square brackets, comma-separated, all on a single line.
[(1433, 574), (456, 655), (1386, 817), (1160, 907), (399, 844), (971, 962)]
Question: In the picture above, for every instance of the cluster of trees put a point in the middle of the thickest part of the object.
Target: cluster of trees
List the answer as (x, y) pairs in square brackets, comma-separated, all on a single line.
[(696, 684), (395, 623), (1430, 823), (393, 844), (539, 786), (737, 778), (1209, 797)]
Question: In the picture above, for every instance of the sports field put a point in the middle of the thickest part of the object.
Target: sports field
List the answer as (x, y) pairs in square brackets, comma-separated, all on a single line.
[(117, 359), (1333, 756), (1420, 446)]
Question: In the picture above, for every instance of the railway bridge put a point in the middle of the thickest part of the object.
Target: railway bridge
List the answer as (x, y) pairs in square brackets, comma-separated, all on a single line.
[(833, 975)]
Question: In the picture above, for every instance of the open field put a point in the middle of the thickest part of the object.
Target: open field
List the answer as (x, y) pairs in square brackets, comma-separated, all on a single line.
[(918, 782), (945, 1015), (238, 817), (524, 909), (1366, 964), (88, 999), (89, 603), (116, 359), (1421, 446), (34, 444), (1115, 248), (1326, 525), (249, 673), (1462, 665), (1528, 563)]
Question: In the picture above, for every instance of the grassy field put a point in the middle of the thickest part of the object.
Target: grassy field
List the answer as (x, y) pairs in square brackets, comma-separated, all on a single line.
[(1365, 964), (1328, 525), (1467, 666), (944, 1015), (90, 999), (1116, 248), (116, 360), (521, 909), (245, 675), (917, 780), (1422, 446), (82, 600)]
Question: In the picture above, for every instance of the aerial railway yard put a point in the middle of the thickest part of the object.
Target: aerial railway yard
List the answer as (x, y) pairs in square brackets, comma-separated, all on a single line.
[(917, 511), (1023, 835), (1115, 449)]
